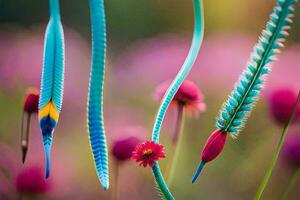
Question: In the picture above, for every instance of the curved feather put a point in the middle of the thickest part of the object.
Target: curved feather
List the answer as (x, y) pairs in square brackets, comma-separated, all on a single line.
[(95, 98), (51, 94), (185, 69), (162, 189), (238, 106)]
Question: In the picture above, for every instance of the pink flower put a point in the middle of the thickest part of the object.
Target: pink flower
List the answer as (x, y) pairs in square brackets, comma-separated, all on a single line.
[(217, 66), (147, 153), (31, 102), (152, 57), (122, 149), (281, 103), (31, 180), (187, 95)]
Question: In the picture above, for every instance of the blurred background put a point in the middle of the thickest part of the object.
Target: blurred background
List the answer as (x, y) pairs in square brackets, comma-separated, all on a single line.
[(147, 44)]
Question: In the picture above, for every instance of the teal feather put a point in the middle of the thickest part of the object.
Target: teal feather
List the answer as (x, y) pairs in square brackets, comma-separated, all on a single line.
[(185, 69), (238, 106), (161, 184), (95, 98), (53, 67), (52, 76)]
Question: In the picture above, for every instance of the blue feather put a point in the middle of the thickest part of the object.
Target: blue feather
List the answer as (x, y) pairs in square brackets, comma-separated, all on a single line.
[(52, 79), (47, 125), (162, 186), (238, 106), (53, 67), (95, 98), (185, 69)]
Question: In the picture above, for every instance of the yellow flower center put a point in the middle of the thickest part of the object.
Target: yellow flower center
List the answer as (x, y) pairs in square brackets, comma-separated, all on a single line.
[(147, 152)]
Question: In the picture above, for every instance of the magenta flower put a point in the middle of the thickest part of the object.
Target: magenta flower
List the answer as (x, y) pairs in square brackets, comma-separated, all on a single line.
[(31, 181), (122, 149), (281, 102), (188, 95), (291, 149)]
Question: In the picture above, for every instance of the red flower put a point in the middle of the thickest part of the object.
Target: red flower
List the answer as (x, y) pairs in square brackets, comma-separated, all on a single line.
[(31, 102), (147, 153), (187, 95)]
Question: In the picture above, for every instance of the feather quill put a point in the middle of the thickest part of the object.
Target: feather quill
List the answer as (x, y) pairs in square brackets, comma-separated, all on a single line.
[(51, 94), (237, 108), (95, 98), (185, 69)]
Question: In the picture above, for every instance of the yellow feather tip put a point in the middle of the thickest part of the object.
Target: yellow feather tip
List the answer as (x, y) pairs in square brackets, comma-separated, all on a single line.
[(49, 110)]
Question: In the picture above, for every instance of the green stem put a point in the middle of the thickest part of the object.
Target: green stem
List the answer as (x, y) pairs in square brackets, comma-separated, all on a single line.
[(291, 184), (176, 144), (277, 152)]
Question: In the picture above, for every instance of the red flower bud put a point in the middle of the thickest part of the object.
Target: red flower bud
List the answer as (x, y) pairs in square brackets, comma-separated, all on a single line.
[(30, 106), (31, 102), (214, 146)]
